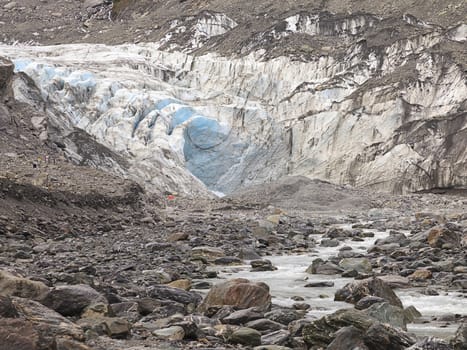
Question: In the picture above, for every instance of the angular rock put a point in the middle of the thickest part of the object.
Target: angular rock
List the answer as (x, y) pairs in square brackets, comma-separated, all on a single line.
[(387, 313), (421, 275), (11, 285), (411, 314), (362, 265), (7, 309), (354, 291), (6, 72), (320, 267), (459, 342), (279, 337), (238, 292), (439, 236), (431, 343), (284, 316), (321, 332), (243, 316), (366, 302), (384, 337), (246, 336), (17, 334), (348, 338), (69, 344), (262, 265), (265, 325), (208, 253), (175, 294), (172, 333), (48, 323), (248, 254), (114, 327), (181, 284), (72, 300)]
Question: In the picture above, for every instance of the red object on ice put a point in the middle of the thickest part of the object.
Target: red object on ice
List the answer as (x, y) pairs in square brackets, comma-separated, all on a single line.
[(170, 197)]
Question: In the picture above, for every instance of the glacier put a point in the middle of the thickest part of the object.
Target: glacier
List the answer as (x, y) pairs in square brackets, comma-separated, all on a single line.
[(390, 117)]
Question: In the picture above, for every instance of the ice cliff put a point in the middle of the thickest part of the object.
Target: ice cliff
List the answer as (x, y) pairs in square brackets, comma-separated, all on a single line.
[(385, 114)]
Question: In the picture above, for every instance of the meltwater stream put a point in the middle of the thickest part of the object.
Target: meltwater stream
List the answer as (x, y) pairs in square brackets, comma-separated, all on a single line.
[(290, 278)]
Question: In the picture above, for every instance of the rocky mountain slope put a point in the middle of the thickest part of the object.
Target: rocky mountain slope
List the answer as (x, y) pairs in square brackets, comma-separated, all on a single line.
[(352, 93)]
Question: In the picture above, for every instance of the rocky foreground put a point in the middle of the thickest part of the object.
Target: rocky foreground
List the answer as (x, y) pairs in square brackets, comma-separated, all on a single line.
[(119, 274)]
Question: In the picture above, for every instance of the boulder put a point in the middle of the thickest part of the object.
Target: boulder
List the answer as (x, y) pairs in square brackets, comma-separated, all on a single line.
[(348, 338), (184, 284), (366, 302), (265, 325), (387, 313), (243, 316), (238, 292), (246, 336), (173, 333), (421, 275), (321, 332), (13, 285), (376, 336), (6, 72), (161, 291), (69, 344), (354, 291), (46, 322), (72, 300), (440, 235), (114, 327), (284, 316), (320, 267), (362, 265), (384, 337), (431, 343), (17, 334), (395, 281), (208, 253), (262, 265), (279, 337), (7, 309), (459, 342), (320, 284)]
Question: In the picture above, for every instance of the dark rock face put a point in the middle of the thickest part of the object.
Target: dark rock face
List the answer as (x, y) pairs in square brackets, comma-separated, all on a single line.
[(357, 290), (72, 300)]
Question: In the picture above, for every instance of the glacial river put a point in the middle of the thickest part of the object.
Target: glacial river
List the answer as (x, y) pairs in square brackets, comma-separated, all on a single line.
[(290, 278)]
